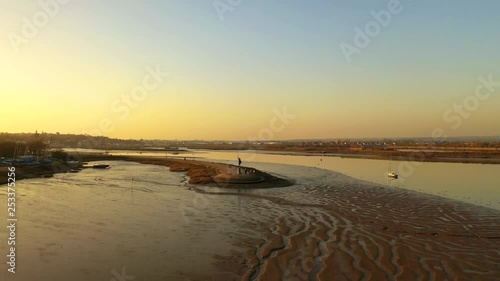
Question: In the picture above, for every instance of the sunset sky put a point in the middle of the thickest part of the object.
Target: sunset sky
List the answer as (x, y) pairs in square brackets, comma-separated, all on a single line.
[(232, 67)]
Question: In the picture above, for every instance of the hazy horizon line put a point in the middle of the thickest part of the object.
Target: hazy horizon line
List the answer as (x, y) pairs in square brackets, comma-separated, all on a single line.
[(273, 140)]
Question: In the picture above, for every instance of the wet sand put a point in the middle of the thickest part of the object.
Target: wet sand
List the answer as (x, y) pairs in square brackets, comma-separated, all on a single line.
[(372, 233), (364, 232)]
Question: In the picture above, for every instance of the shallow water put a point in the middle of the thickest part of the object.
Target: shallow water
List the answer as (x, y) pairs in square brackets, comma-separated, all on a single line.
[(150, 223), (472, 183), (82, 226)]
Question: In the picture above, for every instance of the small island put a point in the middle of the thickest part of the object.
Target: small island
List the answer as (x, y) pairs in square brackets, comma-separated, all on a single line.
[(216, 174)]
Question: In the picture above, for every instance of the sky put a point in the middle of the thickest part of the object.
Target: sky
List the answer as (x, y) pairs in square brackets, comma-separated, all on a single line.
[(250, 69)]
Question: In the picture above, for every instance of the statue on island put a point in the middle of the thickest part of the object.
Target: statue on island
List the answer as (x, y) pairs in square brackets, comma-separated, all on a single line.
[(239, 165)]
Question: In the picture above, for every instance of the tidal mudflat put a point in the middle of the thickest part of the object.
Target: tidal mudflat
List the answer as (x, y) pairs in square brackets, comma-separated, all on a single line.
[(151, 223)]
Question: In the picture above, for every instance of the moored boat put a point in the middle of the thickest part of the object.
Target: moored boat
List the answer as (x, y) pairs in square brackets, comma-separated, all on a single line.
[(392, 175)]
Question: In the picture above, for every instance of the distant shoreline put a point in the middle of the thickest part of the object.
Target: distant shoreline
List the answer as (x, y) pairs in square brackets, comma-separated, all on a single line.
[(465, 155), (476, 155), (415, 158)]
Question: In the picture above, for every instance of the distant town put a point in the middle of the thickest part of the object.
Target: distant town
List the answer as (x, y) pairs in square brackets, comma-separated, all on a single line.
[(42, 145)]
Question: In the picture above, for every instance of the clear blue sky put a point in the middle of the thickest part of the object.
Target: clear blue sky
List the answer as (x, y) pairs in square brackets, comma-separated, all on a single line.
[(229, 75)]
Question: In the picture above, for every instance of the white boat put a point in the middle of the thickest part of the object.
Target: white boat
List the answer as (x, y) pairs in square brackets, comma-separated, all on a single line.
[(392, 175)]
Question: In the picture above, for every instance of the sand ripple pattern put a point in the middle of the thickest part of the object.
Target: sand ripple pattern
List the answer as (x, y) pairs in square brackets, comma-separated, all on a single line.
[(355, 231)]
